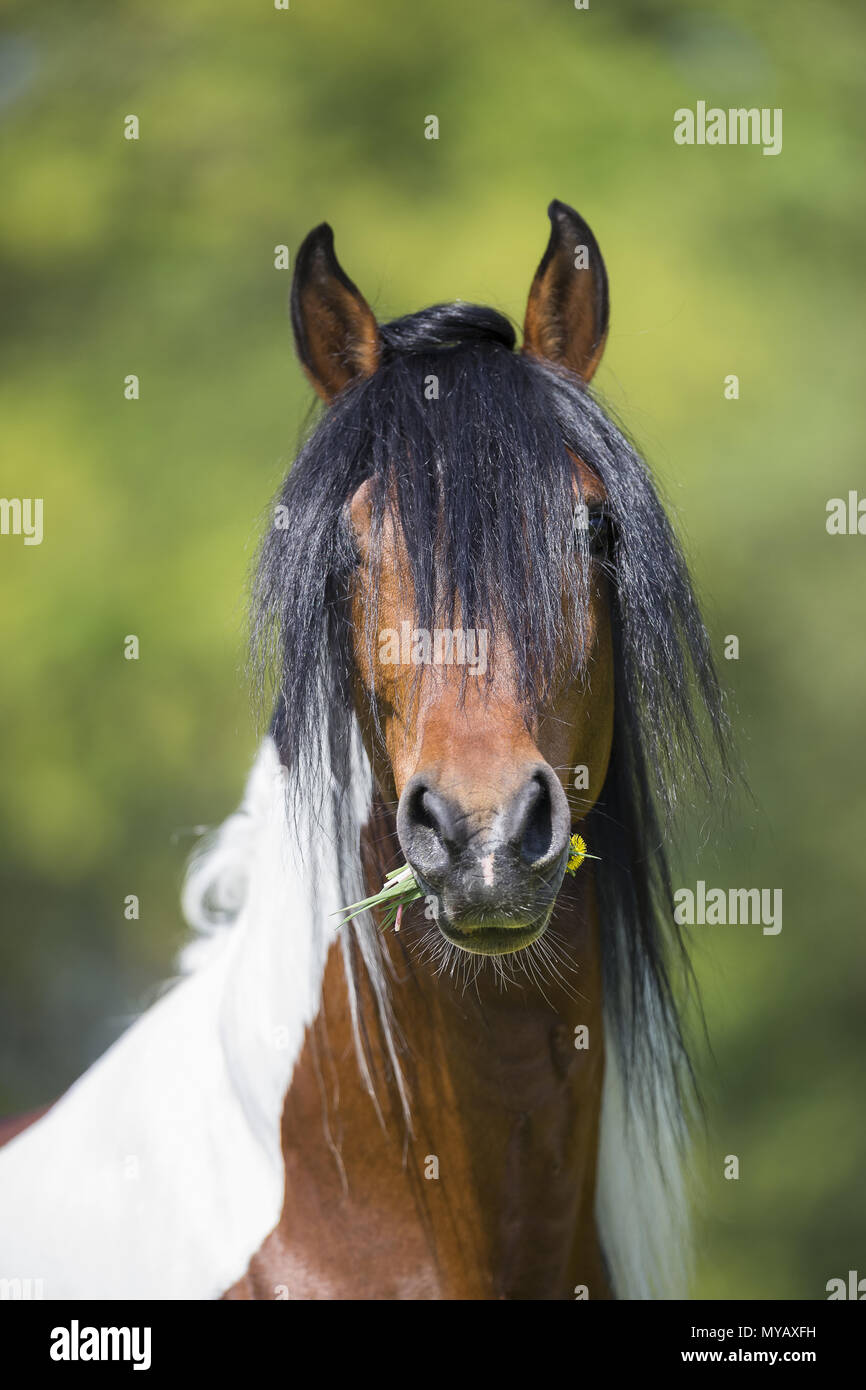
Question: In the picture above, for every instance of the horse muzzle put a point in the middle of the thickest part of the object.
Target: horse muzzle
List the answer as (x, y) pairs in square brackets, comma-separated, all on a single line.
[(492, 871)]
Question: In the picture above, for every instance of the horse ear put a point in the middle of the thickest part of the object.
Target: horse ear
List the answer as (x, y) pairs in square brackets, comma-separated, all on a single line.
[(335, 332), (567, 314)]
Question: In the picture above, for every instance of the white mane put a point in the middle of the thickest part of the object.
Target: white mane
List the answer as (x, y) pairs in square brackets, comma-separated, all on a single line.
[(159, 1173)]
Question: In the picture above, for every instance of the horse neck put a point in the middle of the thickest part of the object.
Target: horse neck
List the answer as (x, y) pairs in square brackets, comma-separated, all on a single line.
[(492, 1192)]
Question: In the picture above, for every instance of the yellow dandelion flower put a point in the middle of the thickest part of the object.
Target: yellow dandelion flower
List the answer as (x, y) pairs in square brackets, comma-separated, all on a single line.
[(577, 853)]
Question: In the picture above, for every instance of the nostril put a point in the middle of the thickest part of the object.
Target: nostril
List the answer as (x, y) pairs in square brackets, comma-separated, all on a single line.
[(540, 820), (423, 812), (426, 811), (424, 827), (538, 827)]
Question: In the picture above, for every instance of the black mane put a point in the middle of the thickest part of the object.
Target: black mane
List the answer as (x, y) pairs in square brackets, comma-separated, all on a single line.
[(485, 466)]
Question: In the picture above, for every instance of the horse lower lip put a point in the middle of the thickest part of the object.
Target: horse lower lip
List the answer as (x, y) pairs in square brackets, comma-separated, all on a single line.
[(494, 940)]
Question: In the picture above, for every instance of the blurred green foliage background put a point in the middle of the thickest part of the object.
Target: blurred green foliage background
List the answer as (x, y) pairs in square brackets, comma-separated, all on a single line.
[(156, 257)]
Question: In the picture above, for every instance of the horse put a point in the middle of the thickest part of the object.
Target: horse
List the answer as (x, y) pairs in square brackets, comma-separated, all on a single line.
[(494, 1100)]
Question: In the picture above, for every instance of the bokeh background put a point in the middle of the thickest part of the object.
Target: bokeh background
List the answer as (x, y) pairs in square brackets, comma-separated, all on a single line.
[(156, 257)]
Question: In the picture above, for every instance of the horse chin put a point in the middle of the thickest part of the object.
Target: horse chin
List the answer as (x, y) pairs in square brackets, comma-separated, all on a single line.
[(492, 938)]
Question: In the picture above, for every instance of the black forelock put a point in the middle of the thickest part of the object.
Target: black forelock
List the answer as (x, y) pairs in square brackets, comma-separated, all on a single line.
[(444, 325)]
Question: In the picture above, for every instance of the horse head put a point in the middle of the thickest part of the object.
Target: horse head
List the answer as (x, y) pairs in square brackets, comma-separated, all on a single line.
[(478, 760)]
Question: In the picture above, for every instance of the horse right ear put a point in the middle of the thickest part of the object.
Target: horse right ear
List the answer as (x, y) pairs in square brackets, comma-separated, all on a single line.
[(336, 336), (567, 314)]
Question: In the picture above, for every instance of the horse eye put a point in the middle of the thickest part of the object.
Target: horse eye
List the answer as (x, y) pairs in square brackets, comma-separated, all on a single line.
[(594, 522)]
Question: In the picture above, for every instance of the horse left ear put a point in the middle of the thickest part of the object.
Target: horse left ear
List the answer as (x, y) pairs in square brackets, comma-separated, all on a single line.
[(567, 314), (336, 336)]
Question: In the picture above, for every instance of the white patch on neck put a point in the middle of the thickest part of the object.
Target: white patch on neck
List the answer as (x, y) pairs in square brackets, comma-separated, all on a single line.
[(487, 869)]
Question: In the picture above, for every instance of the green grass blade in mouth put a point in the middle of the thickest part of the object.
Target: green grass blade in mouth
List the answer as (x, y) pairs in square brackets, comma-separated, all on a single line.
[(398, 891)]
